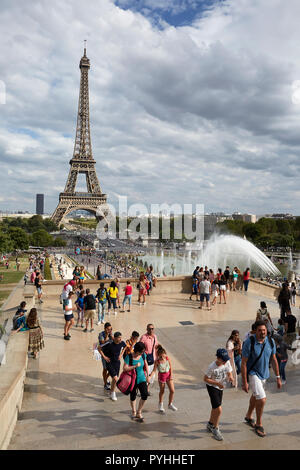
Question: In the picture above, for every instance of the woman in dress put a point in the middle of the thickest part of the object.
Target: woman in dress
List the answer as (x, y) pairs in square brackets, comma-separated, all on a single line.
[(36, 338)]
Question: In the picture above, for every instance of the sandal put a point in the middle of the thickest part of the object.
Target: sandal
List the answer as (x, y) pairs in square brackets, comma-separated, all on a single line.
[(250, 422), (259, 431), (139, 418), (133, 415)]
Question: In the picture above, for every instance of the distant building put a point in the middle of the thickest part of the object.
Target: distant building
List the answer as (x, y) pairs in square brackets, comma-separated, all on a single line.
[(40, 204), (249, 218)]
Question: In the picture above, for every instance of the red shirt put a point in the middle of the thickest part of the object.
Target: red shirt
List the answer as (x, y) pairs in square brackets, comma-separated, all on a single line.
[(128, 290)]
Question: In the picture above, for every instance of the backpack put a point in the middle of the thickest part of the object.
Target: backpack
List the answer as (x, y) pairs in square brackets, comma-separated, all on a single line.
[(252, 340)]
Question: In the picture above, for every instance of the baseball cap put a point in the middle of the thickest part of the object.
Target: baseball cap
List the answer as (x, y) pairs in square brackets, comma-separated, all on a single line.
[(223, 354)]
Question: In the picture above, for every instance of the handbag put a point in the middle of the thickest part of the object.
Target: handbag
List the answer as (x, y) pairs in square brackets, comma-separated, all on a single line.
[(127, 379)]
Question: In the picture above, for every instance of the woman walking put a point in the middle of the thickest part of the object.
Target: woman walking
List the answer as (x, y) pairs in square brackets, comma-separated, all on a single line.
[(263, 314), (234, 349), (36, 337), (139, 363), (284, 300), (113, 295), (142, 289), (163, 364), (246, 279), (222, 288)]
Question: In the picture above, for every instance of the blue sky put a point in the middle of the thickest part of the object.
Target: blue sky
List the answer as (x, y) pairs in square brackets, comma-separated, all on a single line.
[(175, 13)]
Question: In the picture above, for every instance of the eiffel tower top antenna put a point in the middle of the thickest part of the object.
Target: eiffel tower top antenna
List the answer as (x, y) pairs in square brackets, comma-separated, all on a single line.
[(85, 41)]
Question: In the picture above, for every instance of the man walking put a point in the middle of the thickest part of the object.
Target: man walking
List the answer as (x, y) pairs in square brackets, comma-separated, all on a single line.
[(89, 308), (290, 328), (150, 341), (105, 337), (69, 317), (204, 292), (112, 354), (256, 354)]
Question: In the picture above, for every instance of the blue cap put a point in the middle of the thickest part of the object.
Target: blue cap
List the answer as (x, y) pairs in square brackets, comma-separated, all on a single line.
[(223, 354)]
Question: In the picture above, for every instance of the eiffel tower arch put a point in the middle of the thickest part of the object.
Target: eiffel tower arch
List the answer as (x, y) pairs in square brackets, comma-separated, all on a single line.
[(82, 161)]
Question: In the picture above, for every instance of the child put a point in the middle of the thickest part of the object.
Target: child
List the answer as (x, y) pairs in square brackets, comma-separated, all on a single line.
[(79, 303), (280, 329), (128, 296), (281, 356), (214, 291), (19, 320), (217, 373), (163, 364)]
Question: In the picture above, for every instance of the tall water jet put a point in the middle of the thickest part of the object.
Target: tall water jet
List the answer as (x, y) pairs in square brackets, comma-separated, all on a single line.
[(237, 252)]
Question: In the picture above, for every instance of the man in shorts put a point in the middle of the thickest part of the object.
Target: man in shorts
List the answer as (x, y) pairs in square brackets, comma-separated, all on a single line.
[(256, 354), (112, 354), (105, 337), (218, 373), (69, 318), (204, 292), (89, 308)]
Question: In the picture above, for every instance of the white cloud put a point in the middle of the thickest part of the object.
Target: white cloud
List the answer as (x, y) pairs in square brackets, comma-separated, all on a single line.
[(202, 113)]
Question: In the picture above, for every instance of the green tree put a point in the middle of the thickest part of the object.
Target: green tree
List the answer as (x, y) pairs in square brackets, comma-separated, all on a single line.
[(41, 238), (253, 231), (6, 244), (19, 238), (59, 242)]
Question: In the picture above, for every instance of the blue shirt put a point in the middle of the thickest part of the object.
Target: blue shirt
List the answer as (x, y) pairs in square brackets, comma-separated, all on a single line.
[(140, 374), (261, 368)]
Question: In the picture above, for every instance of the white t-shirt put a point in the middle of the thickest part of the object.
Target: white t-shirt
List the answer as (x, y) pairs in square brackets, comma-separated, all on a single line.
[(204, 287), (66, 291), (69, 304), (218, 373)]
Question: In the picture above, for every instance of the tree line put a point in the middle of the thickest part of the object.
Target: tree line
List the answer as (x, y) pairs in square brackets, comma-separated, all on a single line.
[(20, 233), (266, 232)]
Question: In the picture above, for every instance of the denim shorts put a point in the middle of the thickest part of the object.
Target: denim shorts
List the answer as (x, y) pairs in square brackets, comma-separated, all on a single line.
[(204, 296)]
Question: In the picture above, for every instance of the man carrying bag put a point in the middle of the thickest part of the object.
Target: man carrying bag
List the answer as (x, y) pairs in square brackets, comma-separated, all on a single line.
[(256, 354)]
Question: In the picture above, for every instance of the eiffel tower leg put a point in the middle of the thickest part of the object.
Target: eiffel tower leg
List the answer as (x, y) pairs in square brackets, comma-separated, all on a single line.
[(59, 214)]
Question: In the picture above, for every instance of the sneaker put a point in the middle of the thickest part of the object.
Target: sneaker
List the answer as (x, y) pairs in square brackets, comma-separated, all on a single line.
[(209, 427), (99, 322), (172, 407), (217, 434), (161, 408), (66, 337), (107, 387), (85, 330), (113, 396), (91, 330), (283, 382)]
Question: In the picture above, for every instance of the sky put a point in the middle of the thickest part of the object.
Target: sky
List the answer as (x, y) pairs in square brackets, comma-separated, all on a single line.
[(191, 102)]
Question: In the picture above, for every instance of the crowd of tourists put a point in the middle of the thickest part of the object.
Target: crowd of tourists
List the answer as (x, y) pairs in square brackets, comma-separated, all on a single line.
[(263, 346), (208, 286)]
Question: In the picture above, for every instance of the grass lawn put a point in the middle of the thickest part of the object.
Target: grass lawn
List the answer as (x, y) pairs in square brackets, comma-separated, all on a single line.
[(3, 296), (11, 275)]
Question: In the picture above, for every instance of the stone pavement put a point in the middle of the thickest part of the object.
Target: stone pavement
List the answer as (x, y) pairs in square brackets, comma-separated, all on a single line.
[(65, 406)]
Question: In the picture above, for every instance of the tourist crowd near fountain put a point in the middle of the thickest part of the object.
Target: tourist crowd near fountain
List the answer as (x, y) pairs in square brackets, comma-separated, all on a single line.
[(211, 285)]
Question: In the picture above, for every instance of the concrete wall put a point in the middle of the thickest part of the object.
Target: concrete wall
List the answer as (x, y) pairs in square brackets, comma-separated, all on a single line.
[(12, 377)]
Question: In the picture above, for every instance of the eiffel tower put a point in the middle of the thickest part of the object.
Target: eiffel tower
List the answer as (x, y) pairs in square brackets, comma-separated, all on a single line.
[(82, 161)]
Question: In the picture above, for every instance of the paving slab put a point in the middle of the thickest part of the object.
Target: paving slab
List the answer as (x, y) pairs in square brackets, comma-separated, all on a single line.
[(66, 407)]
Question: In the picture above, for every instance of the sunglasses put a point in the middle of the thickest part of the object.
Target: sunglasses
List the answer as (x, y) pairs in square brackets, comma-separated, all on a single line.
[(150, 328)]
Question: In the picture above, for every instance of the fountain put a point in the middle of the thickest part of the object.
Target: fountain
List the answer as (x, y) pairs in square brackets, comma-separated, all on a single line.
[(218, 252), (238, 252)]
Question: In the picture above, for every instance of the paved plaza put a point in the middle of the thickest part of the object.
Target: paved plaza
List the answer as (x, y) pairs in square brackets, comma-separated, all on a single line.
[(66, 407)]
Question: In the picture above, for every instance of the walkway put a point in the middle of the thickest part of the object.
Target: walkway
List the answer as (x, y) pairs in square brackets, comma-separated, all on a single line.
[(65, 406)]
